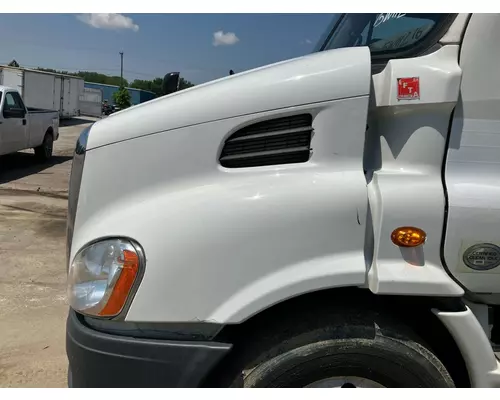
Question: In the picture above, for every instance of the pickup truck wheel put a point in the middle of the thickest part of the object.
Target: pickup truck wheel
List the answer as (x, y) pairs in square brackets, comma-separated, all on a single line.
[(350, 352), (44, 151)]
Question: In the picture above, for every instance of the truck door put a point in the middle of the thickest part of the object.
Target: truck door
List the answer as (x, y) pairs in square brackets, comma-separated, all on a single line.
[(472, 167), (14, 129)]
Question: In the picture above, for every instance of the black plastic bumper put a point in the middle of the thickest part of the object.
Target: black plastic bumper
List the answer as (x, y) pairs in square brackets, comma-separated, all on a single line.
[(98, 359)]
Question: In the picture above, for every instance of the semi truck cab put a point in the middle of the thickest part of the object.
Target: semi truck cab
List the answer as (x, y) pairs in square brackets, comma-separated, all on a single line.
[(325, 221)]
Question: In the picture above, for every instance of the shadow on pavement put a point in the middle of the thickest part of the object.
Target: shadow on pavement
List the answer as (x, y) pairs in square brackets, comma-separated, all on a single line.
[(77, 121), (18, 165)]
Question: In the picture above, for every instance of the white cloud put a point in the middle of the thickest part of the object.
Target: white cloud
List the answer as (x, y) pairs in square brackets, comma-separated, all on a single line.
[(108, 21), (225, 39), (306, 41)]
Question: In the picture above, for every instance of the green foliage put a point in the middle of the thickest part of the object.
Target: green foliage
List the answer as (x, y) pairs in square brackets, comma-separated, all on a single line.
[(94, 77), (184, 84), (55, 71), (155, 85), (122, 98)]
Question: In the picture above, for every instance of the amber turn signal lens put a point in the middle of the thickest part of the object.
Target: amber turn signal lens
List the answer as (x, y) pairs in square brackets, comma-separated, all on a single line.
[(129, 269), (408, 236)]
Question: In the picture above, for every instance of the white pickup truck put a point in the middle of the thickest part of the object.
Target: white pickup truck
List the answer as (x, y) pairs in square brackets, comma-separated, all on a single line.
[(24, 127)]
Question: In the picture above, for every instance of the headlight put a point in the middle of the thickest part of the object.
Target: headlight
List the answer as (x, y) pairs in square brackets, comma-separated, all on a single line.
[(81, 143), (101, 277)]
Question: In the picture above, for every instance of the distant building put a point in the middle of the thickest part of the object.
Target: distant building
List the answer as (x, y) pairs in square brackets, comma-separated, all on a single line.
[(137, 95)]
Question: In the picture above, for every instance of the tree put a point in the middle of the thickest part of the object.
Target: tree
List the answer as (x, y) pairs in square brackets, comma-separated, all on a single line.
[(88, 76), (96, 77), (156, 85), (184, 84), (122, 98)]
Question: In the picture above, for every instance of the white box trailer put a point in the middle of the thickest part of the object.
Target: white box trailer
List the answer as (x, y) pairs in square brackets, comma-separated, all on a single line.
[(45, 89), (91, 102)]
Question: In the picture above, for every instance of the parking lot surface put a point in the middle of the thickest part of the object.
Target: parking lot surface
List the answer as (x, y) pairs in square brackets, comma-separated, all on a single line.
[(33, 308)]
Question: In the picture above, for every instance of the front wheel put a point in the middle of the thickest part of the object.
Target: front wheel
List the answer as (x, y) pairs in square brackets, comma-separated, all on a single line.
[(345, 352), (44, 151)]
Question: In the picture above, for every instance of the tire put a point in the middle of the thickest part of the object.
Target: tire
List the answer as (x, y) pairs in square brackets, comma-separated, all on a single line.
[(350, 351), (70, 378), (44, 151)]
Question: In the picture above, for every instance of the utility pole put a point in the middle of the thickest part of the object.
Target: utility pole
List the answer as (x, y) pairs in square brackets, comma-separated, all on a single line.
[(121, 68)]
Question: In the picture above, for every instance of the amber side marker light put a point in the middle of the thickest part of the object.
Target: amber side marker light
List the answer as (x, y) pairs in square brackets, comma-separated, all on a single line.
[(408, 236)]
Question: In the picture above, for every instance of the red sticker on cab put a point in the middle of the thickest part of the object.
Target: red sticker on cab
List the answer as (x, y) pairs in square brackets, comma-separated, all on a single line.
[(409, 88)]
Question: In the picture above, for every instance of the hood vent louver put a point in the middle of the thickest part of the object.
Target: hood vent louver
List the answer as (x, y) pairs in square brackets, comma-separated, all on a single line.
[(283, 140)]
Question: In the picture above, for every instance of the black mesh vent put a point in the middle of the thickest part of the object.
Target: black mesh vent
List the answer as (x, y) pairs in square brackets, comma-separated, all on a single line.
[(279, 141)]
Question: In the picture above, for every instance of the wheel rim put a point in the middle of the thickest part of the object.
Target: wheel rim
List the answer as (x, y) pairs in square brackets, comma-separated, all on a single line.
[(345, 382)]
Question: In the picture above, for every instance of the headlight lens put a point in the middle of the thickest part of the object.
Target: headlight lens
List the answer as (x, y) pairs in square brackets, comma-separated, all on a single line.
[(81, 143), (101, 277)]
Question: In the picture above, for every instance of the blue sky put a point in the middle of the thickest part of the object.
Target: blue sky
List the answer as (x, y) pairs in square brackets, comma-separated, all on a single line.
[(154, 44)]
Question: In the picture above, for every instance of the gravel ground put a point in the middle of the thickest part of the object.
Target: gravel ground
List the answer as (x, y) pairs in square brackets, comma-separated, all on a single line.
[(33, 308)]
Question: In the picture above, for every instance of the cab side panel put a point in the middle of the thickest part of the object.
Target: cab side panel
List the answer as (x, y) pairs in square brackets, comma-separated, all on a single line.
[(404, 158)]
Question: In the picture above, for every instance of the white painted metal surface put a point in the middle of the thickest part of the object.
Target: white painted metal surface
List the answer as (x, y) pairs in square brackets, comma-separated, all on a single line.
[(46, 90), (481, 362), (72, 88), (12, 77), (39, 91), (91, 102), (456, 30), (289, 83), (58, 94), (473, 163), (268, 233), (407, 143)]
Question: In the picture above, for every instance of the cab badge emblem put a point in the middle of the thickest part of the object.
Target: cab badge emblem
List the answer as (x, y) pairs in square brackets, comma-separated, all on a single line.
[(409, 88), (482, 256)]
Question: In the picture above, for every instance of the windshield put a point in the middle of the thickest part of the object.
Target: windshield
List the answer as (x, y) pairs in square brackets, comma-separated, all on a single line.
[(382, 33)]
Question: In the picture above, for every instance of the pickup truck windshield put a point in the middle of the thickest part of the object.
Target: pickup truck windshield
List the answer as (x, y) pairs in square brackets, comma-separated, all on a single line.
[(383, 33)]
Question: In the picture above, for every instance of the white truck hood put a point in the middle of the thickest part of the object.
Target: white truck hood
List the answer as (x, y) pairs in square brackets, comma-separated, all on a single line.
[(318, 77)]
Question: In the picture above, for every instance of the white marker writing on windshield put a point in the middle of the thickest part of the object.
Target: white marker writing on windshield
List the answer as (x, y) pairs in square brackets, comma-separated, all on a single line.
[(382, 18)]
